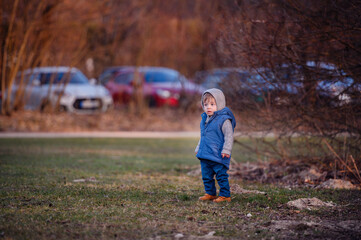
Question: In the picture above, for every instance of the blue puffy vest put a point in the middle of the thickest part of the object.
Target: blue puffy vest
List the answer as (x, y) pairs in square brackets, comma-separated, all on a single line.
[(212, 137)]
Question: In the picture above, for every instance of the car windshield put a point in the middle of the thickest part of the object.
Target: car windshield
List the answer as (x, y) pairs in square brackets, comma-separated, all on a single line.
[(63, 77), (124, 78), (161, 77)]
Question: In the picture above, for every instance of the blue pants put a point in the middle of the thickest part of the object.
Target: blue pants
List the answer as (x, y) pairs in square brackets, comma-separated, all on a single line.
[(209, 169)]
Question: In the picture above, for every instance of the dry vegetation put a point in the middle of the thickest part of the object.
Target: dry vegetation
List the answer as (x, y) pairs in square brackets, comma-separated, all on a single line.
[(276, 34), (137, 184), (116, 120), (60, 32), (198, 35)]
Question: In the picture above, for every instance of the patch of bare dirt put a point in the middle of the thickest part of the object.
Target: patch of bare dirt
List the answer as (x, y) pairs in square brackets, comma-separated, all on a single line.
[(316, 229), (309, 203), (235, 188)]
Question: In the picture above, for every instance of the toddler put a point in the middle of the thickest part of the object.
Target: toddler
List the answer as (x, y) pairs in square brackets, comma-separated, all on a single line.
[(215, 145)]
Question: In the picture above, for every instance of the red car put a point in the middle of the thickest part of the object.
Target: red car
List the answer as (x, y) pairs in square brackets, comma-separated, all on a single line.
[(160, 86)]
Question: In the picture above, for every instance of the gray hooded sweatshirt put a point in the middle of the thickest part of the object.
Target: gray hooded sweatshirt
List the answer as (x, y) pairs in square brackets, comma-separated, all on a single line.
[(227, 128)]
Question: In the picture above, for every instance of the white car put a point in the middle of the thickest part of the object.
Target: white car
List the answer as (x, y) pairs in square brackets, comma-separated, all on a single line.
[(65, 87)]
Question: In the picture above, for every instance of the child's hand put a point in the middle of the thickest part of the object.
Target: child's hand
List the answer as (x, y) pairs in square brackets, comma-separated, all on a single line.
[(225, 155)]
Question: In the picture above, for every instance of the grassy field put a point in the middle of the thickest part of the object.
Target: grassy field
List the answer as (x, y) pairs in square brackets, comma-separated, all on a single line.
[(139, 189)]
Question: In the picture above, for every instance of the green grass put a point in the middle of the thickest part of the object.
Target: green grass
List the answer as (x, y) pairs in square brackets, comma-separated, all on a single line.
[(142, 191)]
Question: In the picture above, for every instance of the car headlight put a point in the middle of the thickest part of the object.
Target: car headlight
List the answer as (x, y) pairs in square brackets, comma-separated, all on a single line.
[(163, 93)]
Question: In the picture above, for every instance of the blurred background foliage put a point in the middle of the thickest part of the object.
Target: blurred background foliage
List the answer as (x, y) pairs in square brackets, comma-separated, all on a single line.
[(174, 34), (186, 35)]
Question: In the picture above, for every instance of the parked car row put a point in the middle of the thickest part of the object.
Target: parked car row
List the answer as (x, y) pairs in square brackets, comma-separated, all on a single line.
[(245, 84), (70, 90), (285, 84)]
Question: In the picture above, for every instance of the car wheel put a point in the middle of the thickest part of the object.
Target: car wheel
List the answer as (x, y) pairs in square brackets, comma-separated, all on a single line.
[(151, 102)]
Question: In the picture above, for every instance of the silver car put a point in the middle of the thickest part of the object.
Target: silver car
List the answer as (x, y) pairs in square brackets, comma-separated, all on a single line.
[(64, 87)]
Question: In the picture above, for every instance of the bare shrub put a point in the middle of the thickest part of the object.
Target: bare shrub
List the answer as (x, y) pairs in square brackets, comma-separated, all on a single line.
[(312, 53), (35, 34)]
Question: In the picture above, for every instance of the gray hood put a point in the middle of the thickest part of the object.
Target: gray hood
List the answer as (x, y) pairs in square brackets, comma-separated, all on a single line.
[(218, 96)]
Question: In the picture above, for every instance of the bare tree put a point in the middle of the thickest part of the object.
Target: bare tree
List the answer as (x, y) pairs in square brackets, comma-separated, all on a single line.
[(311, 53), (38, 34)]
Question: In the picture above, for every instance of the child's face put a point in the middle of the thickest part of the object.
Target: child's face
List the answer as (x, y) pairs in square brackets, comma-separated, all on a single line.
[(210, 106)]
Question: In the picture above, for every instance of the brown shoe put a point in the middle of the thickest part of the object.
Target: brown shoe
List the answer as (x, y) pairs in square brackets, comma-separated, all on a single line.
[(222, 199), (207, 197)]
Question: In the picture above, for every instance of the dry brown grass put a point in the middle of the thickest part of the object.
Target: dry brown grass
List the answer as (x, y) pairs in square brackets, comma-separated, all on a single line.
[(161, 119), (116, 120)]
